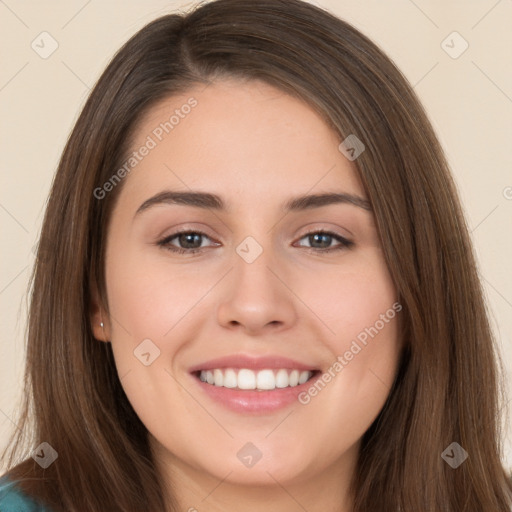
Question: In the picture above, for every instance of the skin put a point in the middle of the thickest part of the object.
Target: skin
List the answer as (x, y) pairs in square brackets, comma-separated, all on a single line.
[(256, 147)]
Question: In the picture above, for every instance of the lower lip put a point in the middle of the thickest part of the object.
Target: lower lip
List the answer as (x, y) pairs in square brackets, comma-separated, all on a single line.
[(253, 401)]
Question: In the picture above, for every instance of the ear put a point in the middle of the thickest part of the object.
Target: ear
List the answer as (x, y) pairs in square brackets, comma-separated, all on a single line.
[(98, 315)]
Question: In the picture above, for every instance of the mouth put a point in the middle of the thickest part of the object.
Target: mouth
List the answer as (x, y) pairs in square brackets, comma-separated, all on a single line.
[(261, 380), (255, 385)]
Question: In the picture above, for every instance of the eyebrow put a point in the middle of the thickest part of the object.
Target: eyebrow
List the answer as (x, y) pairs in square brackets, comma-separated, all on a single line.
[(212, 201)]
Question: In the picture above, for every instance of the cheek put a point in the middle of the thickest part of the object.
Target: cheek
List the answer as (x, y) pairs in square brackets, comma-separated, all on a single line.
[(351, 298), (148, 298), (359, 309), (146, 302)]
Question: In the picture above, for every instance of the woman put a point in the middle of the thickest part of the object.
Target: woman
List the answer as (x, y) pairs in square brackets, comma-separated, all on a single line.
[(255, 284)]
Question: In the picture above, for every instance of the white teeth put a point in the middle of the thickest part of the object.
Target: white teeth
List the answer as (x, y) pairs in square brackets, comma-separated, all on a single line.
[(246, 379), (230, 380), (303, 377), (265, 379), (282, 380), (249, 379), (218, 377)]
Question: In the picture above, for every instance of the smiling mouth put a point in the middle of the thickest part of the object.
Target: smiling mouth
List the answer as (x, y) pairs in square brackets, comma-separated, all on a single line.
[(256, 380)]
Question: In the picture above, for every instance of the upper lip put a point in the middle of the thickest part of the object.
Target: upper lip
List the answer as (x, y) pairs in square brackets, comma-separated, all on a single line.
[(252, 363)]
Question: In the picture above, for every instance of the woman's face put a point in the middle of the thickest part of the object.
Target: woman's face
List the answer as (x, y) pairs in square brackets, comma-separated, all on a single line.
[(258, 297)]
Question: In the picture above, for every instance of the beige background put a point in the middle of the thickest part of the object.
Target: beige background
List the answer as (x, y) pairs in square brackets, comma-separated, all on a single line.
[(468, 98)]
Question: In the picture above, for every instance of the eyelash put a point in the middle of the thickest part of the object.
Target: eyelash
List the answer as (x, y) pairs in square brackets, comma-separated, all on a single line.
[(165, 242)]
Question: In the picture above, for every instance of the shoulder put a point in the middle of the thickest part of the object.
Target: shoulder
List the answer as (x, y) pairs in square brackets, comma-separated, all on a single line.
[(13, 499)]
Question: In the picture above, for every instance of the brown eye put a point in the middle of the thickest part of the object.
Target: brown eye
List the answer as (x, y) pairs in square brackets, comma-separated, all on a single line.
[(188, 242)]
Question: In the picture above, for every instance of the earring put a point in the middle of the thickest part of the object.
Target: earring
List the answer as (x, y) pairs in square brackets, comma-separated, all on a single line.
[(102, 324)]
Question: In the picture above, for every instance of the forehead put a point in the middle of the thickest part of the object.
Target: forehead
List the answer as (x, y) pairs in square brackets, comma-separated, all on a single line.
[(243, 140)]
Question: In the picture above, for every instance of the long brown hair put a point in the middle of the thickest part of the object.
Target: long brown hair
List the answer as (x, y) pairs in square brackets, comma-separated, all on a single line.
[(447, 387)]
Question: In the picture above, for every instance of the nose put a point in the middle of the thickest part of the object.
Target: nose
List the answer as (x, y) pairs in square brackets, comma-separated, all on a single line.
[(257, 296)]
